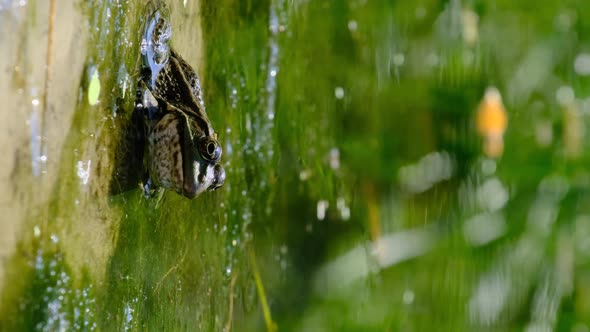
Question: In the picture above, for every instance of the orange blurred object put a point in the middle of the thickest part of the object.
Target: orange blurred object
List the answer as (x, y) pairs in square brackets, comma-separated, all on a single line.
[(491, 123)]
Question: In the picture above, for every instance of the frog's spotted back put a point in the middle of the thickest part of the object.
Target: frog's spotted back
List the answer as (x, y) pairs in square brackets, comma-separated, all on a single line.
[(183, 153)]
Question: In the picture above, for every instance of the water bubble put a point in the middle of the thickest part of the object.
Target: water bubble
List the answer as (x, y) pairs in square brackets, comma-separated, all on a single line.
[(488, 166), (143, 47), (432, 60), (339, 92), (304, 174), (335, 158), (399, 59), (564, 21), (343, 208), (322, 206), (582, 64), (470, 28), (489, 298), (492, 195), (565, 95), (122, 81), (431, 169), (408, 296), (128, 314), (484, 228)]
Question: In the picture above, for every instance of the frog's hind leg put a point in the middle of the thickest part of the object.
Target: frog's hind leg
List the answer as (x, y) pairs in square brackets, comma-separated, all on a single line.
[(191, 77), (156, 34)]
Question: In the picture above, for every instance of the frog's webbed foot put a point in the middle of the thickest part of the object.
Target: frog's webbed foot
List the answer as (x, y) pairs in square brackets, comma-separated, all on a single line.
[(150, 190), (153, 193)]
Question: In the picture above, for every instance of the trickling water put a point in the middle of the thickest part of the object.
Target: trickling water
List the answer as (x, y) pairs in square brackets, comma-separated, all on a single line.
[(35, 136)]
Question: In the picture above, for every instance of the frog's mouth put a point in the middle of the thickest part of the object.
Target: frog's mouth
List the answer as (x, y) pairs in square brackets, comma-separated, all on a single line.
[(207, 176)]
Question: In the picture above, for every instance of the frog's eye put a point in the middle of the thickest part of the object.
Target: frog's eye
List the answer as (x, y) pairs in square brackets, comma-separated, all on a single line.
[(209, 149), (218, 177)]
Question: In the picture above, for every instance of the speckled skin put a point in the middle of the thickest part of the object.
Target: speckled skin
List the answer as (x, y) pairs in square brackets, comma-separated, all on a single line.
[(182, 149), (165, 154)]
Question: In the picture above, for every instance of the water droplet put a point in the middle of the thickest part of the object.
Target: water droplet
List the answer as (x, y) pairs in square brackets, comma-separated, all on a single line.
[(143, 46), (399, 59), (488, 166), (335, 158), (94, 88), (408, 296), (582, 64), (83, 171), (321, 208), (565, 95), (339, 92), (304, 174), (343, 208), (432, 60)]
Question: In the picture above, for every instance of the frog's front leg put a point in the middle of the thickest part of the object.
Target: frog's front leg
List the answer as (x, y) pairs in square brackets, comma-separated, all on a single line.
[(147, 104)]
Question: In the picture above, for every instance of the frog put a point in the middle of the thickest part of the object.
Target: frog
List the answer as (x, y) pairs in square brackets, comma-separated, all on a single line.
[(182, 150)]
